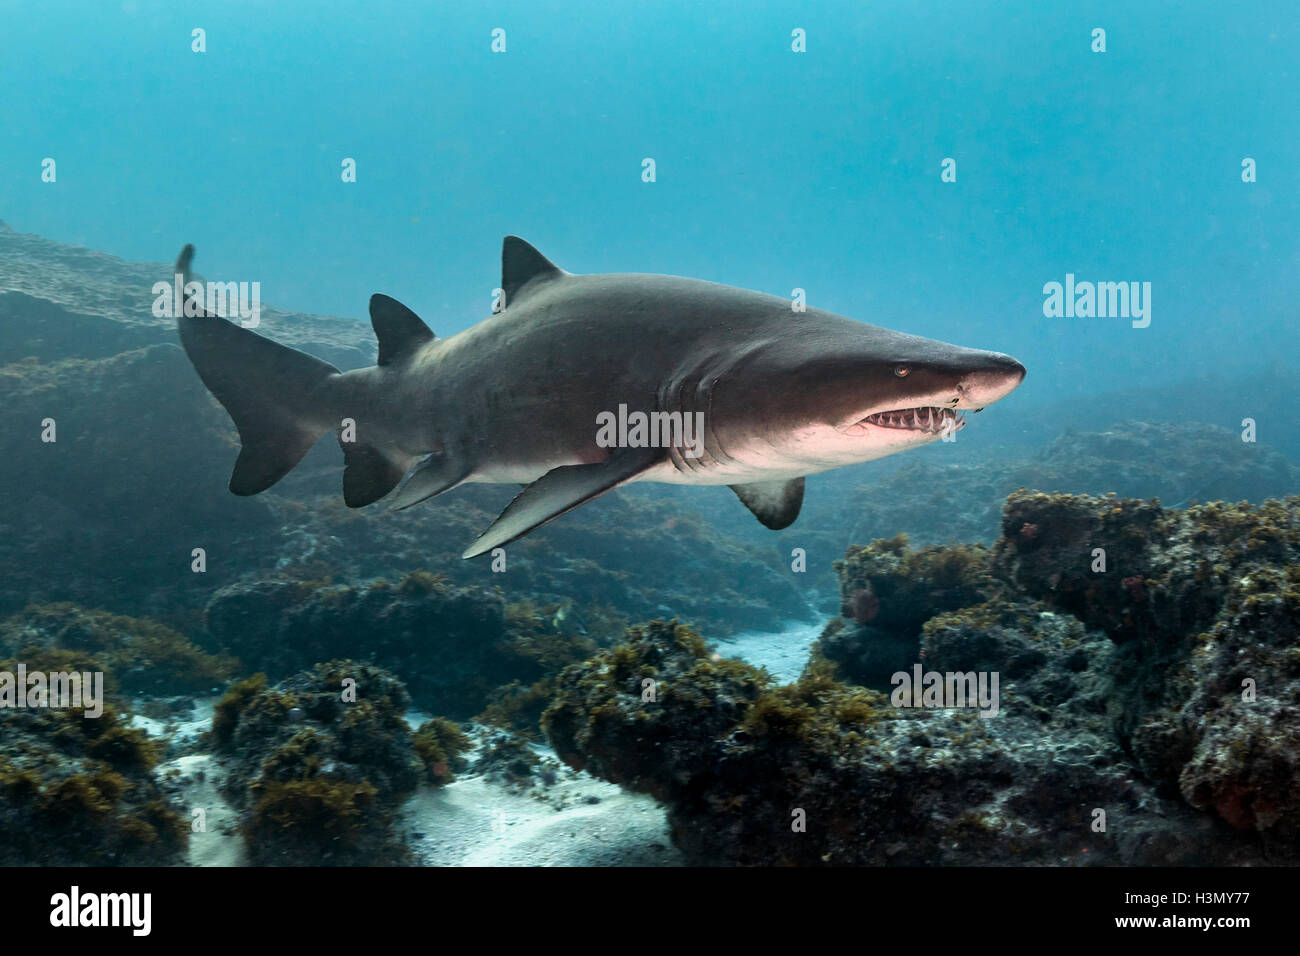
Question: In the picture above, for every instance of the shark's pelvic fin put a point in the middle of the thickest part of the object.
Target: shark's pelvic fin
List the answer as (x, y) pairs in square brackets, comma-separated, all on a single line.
[(775, 503), (436, 474), (399, 330), (561, 490), (273, 393), (520, 265), (368, 474)]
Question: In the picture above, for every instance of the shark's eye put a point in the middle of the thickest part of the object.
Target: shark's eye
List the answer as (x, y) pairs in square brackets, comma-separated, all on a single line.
[(901, 371)]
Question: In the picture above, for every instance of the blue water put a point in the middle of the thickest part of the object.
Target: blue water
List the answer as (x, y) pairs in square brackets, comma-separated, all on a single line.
[(775, 169)]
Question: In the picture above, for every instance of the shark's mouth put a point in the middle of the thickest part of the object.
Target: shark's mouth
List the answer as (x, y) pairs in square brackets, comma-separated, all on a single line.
[(930, 420)]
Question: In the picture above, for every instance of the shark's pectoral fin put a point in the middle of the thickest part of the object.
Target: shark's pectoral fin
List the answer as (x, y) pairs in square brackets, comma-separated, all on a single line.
[(775, 503), (433, 476), (561, 490), (368, 474)]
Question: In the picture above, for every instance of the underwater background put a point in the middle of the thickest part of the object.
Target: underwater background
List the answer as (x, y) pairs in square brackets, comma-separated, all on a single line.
[(500, 717)]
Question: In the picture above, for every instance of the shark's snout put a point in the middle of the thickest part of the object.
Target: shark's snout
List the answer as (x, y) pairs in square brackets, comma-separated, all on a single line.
[(998, 377)]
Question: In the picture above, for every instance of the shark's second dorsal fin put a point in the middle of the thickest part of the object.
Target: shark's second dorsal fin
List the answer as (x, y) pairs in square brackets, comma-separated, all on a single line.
[(521, 264), (399, 330)]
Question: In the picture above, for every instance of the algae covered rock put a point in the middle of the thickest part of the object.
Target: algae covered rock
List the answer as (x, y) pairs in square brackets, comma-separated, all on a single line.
[(1051, 660), (1204, 608), (440, 744), (455, 647), (448, 643), (887, 592), (77, 790), (1127, 702), (1091, 557), (541, 645), (646, 713), (511, 761), (139, 656), (318, 763), (821, 772)]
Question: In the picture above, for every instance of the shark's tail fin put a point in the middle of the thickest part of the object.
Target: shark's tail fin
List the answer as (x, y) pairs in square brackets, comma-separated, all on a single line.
[(273, 393)]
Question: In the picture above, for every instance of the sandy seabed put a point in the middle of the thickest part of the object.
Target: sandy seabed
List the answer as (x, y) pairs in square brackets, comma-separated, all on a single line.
[(478, 820)]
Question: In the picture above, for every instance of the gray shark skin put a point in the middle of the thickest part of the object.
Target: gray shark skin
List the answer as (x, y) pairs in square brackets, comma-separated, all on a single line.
[(780, 394)]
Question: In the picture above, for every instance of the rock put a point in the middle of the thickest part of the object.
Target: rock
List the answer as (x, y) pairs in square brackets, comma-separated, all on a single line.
[(1203, 606), (454, 646), (888, 591), (321, 790), (138, 656), (1121, 738), (78, 790)]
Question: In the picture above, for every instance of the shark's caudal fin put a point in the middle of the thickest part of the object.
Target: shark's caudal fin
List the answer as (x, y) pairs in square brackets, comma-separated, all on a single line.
[(273, 393)]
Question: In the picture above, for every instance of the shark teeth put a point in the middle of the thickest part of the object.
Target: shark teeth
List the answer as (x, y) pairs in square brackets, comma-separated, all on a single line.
[(930, 420)]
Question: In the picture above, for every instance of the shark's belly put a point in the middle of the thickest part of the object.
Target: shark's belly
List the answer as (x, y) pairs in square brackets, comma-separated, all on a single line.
[(734, 474)]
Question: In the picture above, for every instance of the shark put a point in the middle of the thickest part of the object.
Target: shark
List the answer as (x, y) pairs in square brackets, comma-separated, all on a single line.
[(710, 385)]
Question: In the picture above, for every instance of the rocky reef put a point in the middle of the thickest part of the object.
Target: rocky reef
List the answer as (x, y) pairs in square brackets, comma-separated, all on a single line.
[(1147, 714), (887, 593), (138, 656), (946, 494), (77, 789), (79, 785), (456, 648), (1203, 609), (319, 763)]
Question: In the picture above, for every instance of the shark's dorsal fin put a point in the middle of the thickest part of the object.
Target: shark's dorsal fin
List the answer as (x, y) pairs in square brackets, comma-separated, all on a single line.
[(399, 330), (775, 503), (521, 264)]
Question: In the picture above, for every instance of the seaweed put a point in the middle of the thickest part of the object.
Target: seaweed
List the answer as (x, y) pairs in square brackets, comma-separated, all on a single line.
[(440, 744)]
